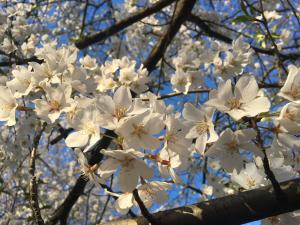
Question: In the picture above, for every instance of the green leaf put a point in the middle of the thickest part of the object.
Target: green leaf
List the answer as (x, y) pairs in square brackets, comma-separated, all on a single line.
[(259, 37), (243, 18)]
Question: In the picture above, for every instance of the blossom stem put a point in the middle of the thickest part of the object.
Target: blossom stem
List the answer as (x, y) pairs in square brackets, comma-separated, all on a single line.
[(24, 108)]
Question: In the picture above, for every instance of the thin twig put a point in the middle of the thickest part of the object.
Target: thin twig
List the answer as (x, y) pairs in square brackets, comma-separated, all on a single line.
[(269, 173)]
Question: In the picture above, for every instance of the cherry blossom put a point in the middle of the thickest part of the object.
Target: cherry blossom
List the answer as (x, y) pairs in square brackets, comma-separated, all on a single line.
[(131, 167), (227, 148), (246, 100), (149, 193), (86, 123), (202, 127), (291, 87), (138, 131), (249, 178), (58, 100), (8, 106)]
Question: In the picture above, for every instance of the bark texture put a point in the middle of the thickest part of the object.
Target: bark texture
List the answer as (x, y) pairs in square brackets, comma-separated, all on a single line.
[(230, 210)]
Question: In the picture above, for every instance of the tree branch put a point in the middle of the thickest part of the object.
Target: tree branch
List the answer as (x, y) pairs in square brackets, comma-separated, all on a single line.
[(33, 187), (143, 208), (230, 210), (102, 35), (211, 33), (19, 61), (270, 175), (184, 7), (94, 156)]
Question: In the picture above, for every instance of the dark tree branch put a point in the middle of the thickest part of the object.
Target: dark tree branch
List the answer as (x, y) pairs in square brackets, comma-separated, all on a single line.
[(234, 209), (19, 61), (63, 135), (62, 212), (94, 156), (269, 173), (33, 186), (183, 9), (143, 208), (214, 34), (102, 35)]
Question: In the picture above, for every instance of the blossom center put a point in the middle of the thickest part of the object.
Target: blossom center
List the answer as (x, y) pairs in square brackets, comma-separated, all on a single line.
[(90, 128), (201, 127), (233, 146), (181, 82), (120, 112), (290, 114), (54, 105), (139, 130), (234, 103), (170, 137), (250, 182)]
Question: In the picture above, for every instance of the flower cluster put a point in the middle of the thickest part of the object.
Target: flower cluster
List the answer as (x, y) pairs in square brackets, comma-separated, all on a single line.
[(221, 111)]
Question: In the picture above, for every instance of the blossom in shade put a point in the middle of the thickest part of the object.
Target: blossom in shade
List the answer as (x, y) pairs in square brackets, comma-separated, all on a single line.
[(291, 87), (132, 167), (8, 106)]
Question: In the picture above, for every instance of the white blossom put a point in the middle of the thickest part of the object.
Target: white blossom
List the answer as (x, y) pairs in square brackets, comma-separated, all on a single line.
[(227, 148), (202, 127), (88, 63), (149, 193), (86, 123), (132, 167), (291, 87), (249, 178), (58, 100), (246, 100), (8, 106), (138, 131)]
